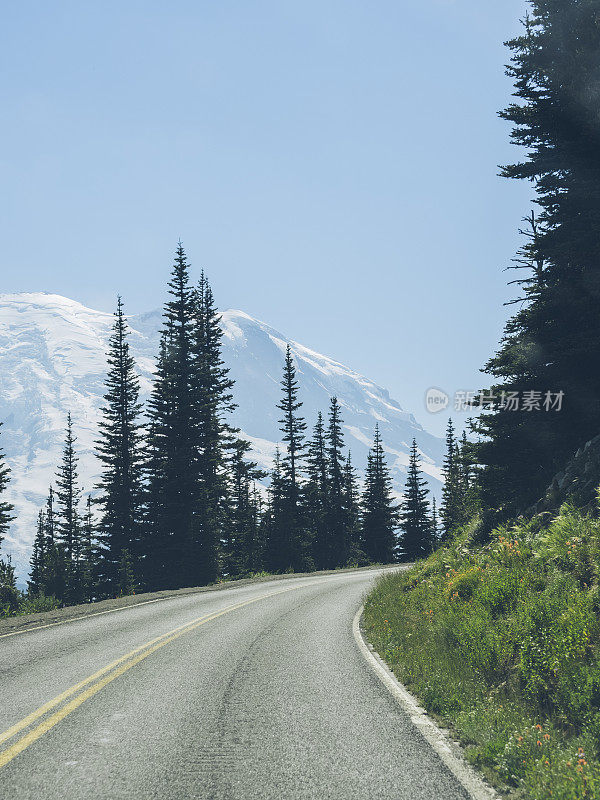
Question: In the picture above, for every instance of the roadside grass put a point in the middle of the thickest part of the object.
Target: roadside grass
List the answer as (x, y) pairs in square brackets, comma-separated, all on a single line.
[(502, 643), (28, 605)]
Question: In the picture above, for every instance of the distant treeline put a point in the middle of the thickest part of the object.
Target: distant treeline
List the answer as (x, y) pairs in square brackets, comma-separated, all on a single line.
[(178, 502)]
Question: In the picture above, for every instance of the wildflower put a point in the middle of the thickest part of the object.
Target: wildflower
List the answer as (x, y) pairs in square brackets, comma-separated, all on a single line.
[(547, 763), (538, 727), (547, 737)]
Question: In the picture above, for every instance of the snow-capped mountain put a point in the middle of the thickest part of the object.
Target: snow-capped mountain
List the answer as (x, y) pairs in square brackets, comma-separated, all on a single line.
[(53, 359)]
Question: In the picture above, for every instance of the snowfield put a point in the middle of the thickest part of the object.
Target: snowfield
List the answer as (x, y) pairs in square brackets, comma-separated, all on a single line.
[(53, 359)]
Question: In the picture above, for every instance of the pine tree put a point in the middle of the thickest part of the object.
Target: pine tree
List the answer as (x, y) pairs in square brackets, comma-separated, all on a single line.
[(315, 495), (55, 567), (6, 508), (380, 514), (218, 444), (415, 520), (553, 342), (450, 511), (339, 539), (36, 582), (352, 514), (293, 550), (274, 524), (68, 533), (240, 545), (171, 543), (119, 450)]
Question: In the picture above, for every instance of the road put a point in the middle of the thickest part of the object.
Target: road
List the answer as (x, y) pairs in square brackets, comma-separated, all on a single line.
[(257, 691)]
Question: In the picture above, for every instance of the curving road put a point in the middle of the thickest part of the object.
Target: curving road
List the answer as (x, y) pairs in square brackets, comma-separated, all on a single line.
[(252, 692)]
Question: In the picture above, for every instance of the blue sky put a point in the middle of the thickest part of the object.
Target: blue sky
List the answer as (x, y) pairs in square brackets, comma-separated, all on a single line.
[(332, 166)]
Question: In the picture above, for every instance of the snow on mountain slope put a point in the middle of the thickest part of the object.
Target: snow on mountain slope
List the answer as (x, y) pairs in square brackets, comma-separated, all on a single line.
[(53, 359)]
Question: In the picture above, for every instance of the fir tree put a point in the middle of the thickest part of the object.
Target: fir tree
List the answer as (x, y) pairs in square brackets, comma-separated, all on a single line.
[(352, 514), (553, 342), (55, 567), (218, 444), (69, 526), (338, 550), (380, 514), (36, 582), (415, 520), (315, 496), (293, 551), (6, 508), (119, 450), (171, 547), (450, 511), (240, 545)]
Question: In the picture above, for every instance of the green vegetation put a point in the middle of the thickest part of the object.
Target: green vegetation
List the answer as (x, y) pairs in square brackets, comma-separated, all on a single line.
[(502, 641)]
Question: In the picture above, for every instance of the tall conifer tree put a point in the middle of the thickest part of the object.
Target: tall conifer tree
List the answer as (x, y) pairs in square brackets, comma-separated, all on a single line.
[(316, 494), (37, 563), (69, 533), (294, 548), (380, 513), (218, 445), (450, 511), (119, 450), (553, 342), (172, 546), (338, 550), (415, 520)]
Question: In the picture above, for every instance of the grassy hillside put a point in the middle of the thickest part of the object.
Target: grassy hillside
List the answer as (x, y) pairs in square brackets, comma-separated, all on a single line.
[(502, 641)]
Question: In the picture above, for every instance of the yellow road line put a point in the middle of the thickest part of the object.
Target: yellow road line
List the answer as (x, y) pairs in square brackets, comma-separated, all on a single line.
[(132, 658)]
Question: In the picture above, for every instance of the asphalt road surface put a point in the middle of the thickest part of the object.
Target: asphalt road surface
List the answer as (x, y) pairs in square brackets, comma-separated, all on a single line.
[(257, 691)]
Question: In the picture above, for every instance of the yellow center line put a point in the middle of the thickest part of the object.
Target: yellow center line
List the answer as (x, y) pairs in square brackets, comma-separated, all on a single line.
[(110, 672)]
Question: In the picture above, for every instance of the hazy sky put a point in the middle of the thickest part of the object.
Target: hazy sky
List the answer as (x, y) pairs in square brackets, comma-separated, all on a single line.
[(332, 165)]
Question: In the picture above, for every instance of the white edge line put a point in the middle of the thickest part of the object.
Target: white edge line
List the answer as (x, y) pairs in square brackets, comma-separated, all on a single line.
[(443, 746), (83, 616)]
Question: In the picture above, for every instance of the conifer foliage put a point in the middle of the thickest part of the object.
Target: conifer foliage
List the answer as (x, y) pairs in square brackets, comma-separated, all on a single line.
[(416, 540), (178, 503), (552, 344), (380, 513), (119, 450)]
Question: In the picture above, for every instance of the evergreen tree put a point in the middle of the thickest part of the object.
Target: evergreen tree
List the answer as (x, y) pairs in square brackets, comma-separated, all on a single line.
[(55, 567), (171, 547), (553, 342), (380, 514), (218, 445), (119, 450), (415, 520), (240, 546), (68, 532), (274, 523), (352, 513), (338, 550), (36, 582), (293, 550), (450, 511), (315, 496), (6, 508)]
